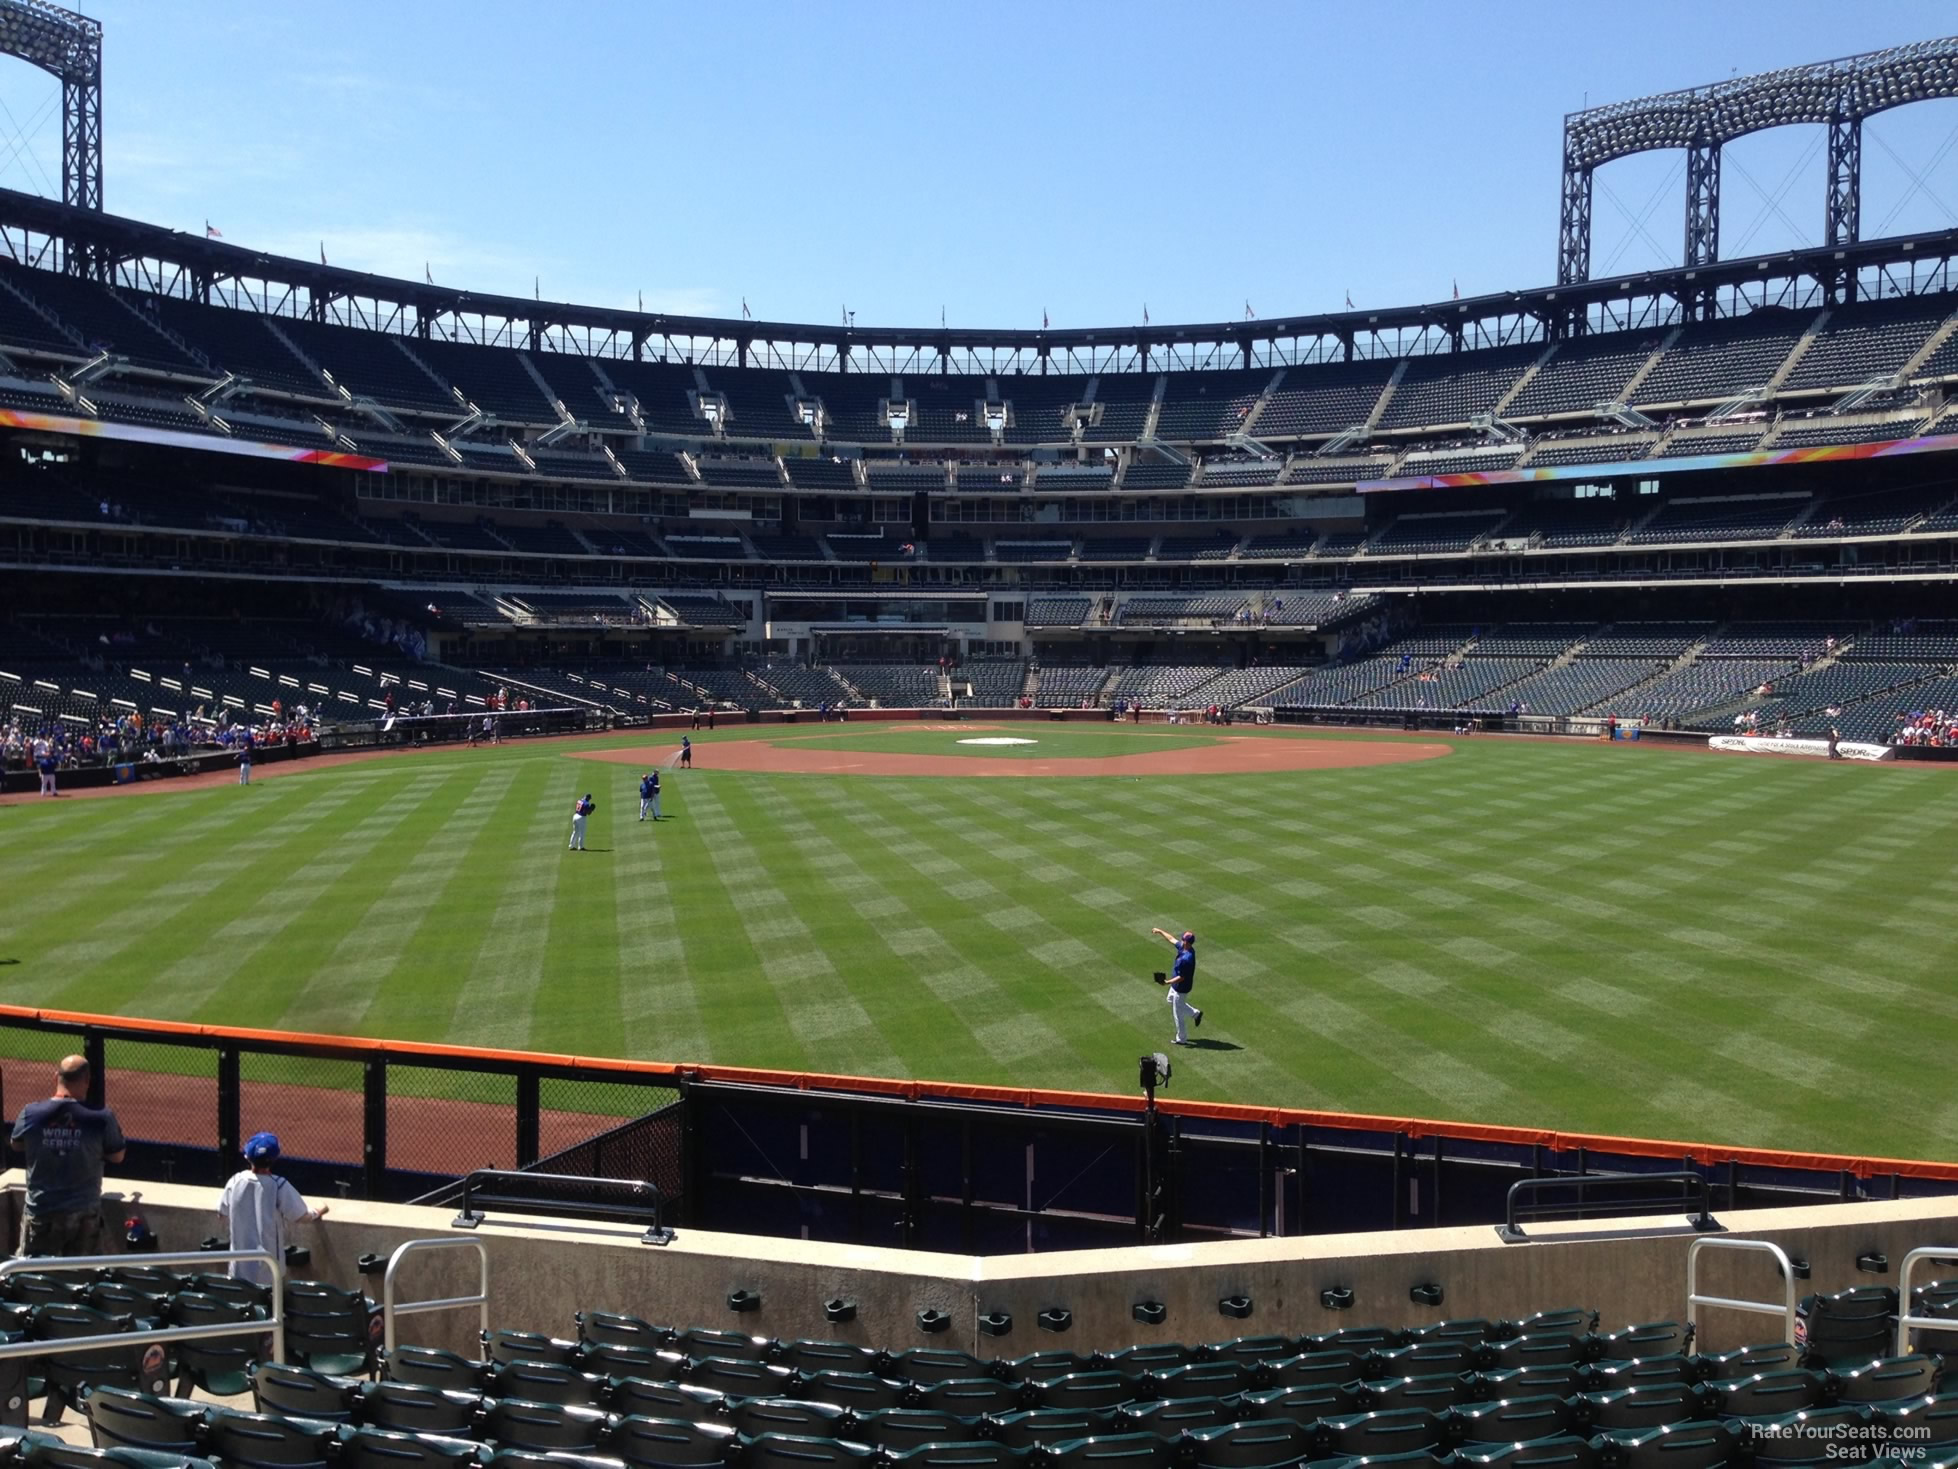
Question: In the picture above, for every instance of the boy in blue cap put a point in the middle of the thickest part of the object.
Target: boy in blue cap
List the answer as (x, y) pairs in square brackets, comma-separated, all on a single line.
[(257, 1205)]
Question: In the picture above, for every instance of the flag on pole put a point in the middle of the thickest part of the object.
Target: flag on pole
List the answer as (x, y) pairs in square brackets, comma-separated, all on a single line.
[(746, 314), (1145, 313), (642, 301), (1043, 318), (427, 274), (537, 287), (1249, 314), (211, 233), (322, 252), (1458, 288), (941, 316), (1349, 300)]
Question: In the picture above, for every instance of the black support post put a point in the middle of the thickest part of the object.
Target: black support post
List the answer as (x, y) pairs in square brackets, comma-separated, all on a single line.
[(529, 1119), (231, 1139), (374, 1129), (94, 1051)]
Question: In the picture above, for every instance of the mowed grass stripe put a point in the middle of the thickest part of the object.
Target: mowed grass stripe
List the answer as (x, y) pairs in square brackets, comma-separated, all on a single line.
[(663, 1013), (579, 993)]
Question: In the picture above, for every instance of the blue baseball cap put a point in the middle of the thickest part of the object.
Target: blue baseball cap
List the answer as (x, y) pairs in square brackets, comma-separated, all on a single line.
[(1189, 938), (262, 1147)]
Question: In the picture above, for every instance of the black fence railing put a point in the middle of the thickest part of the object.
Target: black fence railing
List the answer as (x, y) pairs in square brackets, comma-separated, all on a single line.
[(908, 1164)]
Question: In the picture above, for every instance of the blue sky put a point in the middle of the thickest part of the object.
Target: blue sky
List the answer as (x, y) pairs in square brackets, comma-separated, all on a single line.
[(992, 161)]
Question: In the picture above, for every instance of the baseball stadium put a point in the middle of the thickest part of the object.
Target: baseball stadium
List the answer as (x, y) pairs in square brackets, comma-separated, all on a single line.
[(1296, 891)]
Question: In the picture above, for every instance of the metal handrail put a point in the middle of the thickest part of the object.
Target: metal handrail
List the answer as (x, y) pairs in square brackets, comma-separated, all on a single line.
[(1694, 1300), (390, 1309), (43, 1264), (647, 1207), (1905, 1321), (1692, 1185)]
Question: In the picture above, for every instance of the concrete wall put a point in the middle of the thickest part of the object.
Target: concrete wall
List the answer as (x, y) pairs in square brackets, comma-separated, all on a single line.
[(543, 1271)]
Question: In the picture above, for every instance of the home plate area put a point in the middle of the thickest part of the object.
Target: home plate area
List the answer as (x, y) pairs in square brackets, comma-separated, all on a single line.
[(999, 740)]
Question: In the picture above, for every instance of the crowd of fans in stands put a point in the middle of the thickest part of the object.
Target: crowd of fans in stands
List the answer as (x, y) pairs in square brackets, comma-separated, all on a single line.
[(1938, 727), (147, 739)]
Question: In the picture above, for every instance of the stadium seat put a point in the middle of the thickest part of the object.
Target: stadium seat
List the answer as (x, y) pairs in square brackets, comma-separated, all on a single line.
[(831, 1356), (513, 1423), (72, 1373), (973, 1397), (900, 1430), (1654, 1339), (1746, 1361), (1676, 1446), (1436, 1392), (610, 1328), (1766, 1394), (1474, 1329), (1088, 1390), (1162, 1356), (756, 1416), (434, 1367), (737, 1346), (1169, 1417), (1046, 1366), (232, 1288), (1400, 1431), (1514, 1420), (1259, 1444), (1042, 1426), (38, 1451), (563, 1459), (378, 1448), (1427, 1358), (980, 1454), (300, 1392), (529, 1346), (860, 1392), (1890, 1380), (1814, 1436), (1543, 1453), (607, 1359), (1637, 1372), (1643, 1407), (1116, 1451), (1560, 1381), (404, 1407), (1539, 1349), (743, 1379), (656, 1442), (786, 1451), (926, 1365), (1317, 1369), (1305, 1404), (1932, 1422), (221, 1367), (330, 1329), (1848, 1328), (1570, 1320), (1249, 1351), (120, 1418), (31, 1288), (122, 1298), (1201, 1380), (664, 1399), (267, 1441), (1354, 1339), (542, 1382)]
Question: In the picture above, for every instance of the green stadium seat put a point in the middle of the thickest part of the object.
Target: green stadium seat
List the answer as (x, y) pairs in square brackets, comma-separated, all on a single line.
[(562, 1459), (1437, 1392), (1848, 1328), (1565, 1320), (267, 1441), (1249, 1351), (1089, 1390), (1676, 1446), (38, 1451), (611, 1328), (860, 1392), (1541, 1349), (1201, 1380), (608, 1359), (528, 1346), (231, 1288), (902, 1429), (832, 1356), (1746, 1361), (121, 1298), (434, 1367), (1162, 1356), (1543, 1453), (120, 1418), (379, 1448), (1766, 1394), (1260, 1444), (1413, 1459), (756, 1416), (406, 1407), (974, 1397), (221, 1367), (699, 1341), (1562, 1381), (1930, 1424), (1370, 1435), (1170, 1417), (786, 1451), (1425, 1359), (1046, 1366), (979, 1454), (740, 1378), (1890, 1380), (1361, 1339), (1638, 1372), (654, 1443), (1305, 1404), (33, 1288), (1469, 1329), (1654, 1339), (542, 1382), (1115, 1451), (73, 1373), (1810, 1437), (664, 1399), (1514, 1420), (300, 1392), (1039, 1427), (1644, 1407), (1317, 1369), (926, 1365), (515, 1424)]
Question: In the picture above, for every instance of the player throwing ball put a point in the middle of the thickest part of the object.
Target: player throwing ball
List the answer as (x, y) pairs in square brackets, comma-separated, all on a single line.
[(1182, 979), (579, 814)]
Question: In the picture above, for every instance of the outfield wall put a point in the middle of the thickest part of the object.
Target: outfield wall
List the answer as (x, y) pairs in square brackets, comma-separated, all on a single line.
[(542, 1273)]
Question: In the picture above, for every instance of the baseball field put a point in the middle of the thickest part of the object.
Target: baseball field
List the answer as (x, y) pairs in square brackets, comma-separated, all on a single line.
[(1621, 939)]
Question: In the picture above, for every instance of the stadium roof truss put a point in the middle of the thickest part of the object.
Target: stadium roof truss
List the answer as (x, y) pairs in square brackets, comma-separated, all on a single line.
[(1836, 95), (142, 257)]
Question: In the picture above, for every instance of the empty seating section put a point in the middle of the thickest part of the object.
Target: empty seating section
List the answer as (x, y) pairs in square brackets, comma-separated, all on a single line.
[(1707, 683), (1208, 607), (873, 544), (662, 390), (812, 686), (1342, 683), (1116, 548), (1313, 609), (1242, 686), (725, 686), (1466, 684), (949, 410), (706, 544), (855, 406), (574, 382), (1213, 546), (1436, 640), (893, 685), (758, 474), (1579, 685), (1754, 517), (548, 539), (493, 378), (1645, 640), (821, 473), (778, 546), (1597, 451), (1246, 474), (1057, 611), (1122, 408), (1152, 685), (123, 322), (1207, 405), (372, 364), (1278, 546), (991, 683), (897, 474), (1568, 523), (704, 611), (758, 404), (1822, 431), (1016, 549), (1324, 399), (1717, 360), (1922, 642), (240, 342), (1418, 535), (1064, 687), (1839, 685), (1340, 543), (997, 477), (1156, 476), (1336, 471), (1866, 340), (1683, 446), (1451, 388), (1072, 476), (1872, 513), (1037, 408), (1465, 461), (1532, 639), (1580, 375), (1789, 640)]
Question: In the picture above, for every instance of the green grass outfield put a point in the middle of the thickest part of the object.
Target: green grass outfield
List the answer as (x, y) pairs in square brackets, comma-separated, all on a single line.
[(1622, 939)]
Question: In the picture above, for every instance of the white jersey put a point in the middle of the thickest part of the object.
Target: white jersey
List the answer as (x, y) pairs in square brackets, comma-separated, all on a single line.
[(258, 1207)]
